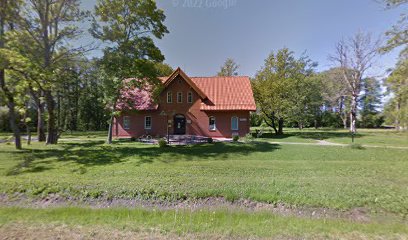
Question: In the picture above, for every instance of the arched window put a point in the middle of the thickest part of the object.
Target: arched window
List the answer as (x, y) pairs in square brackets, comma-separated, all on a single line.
[(169, 97), (211, 122), (234, 123)]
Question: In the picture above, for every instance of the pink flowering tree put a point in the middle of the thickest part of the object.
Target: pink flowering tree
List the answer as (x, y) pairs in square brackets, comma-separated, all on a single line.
[(137, 96)]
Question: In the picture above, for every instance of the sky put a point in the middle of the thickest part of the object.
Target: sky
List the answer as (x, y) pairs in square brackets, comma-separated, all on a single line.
[(204, 33)]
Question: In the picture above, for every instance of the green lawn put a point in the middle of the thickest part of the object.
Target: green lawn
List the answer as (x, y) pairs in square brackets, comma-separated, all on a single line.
[(337, 178), (377, 137), (194, 225)]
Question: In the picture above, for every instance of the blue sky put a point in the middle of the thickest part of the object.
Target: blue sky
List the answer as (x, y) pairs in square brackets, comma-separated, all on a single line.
[(203, 33)]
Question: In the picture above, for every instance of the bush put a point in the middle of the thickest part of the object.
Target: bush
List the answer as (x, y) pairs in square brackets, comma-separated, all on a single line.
[(255, 120), (133, 139), (162, 143), (235, 138), (248, 138), (210, 140)]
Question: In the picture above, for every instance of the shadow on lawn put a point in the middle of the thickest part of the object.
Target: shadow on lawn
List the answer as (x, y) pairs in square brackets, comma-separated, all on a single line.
[(316, 135), (94, 153)]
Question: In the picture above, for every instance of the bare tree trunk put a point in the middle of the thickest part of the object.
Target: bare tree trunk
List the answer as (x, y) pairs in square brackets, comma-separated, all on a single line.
[(52, 135), (110, 131), (272, 123), (397, 117), (280, 126), (13, 123), (27, 130), (40, 122), (8, 94), (344, 119), (353, 113)]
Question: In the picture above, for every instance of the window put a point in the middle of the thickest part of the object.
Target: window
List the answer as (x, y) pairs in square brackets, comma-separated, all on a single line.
[(234, 123), (148, 122), (212, 126), (189, 97), (179, 97), (126, 122), (169, 97)]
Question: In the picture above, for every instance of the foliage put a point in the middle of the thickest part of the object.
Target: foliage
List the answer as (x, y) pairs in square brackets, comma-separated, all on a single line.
[(162, 143), (355, 57), (398, 34), (164, 69), (46, 29), (281, 88), (255, 119), (128, 28), (210, 140), (396, 110), (230, 68), (235, 138), (249, 138), (371, 103), (135, 98), (336, 97)]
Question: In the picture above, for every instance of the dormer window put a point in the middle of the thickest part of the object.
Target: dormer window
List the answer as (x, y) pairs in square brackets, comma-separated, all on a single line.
[(169, 97), (179, 97)]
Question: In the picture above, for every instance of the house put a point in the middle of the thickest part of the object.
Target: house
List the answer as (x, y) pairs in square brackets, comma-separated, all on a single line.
[(217, 107)]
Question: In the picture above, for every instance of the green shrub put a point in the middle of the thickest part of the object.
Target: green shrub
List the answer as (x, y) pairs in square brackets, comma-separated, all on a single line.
[(162, 143), (235, 138), (248, 138), (210, 140)]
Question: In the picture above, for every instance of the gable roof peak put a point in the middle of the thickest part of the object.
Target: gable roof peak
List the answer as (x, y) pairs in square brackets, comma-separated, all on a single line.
[(179, 72)]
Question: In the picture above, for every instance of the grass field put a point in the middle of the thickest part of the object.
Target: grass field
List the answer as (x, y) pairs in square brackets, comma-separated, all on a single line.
[(378, 137), (339, 179)]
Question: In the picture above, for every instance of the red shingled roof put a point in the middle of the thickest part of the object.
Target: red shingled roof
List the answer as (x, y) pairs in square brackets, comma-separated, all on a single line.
[(219, 93), (226, 93)]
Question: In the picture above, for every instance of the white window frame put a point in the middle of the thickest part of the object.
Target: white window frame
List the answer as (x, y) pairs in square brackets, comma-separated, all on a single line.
[(181, 96), (126, 122), (232, 125), (214, 126), (145, 121), (169, 97), (189, 97)]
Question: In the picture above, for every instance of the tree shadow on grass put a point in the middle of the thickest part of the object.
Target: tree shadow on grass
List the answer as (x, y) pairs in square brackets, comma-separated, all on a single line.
[(95, 153), (317, 135)]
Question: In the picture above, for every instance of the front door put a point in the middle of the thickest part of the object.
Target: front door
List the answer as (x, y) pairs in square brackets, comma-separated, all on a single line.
[(179, 124)]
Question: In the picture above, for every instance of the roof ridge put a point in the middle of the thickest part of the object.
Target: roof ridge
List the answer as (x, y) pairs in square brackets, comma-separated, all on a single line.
[(222, 76)]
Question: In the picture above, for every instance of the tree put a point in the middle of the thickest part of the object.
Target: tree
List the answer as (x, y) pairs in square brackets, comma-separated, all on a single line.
[(370, 103), (164, 69), (354, 57), (398, 34), (276, 84), (8, 12), (230, 68), (335, 93), (306, 101), (128, 27), (50, 26), (396, 110)]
